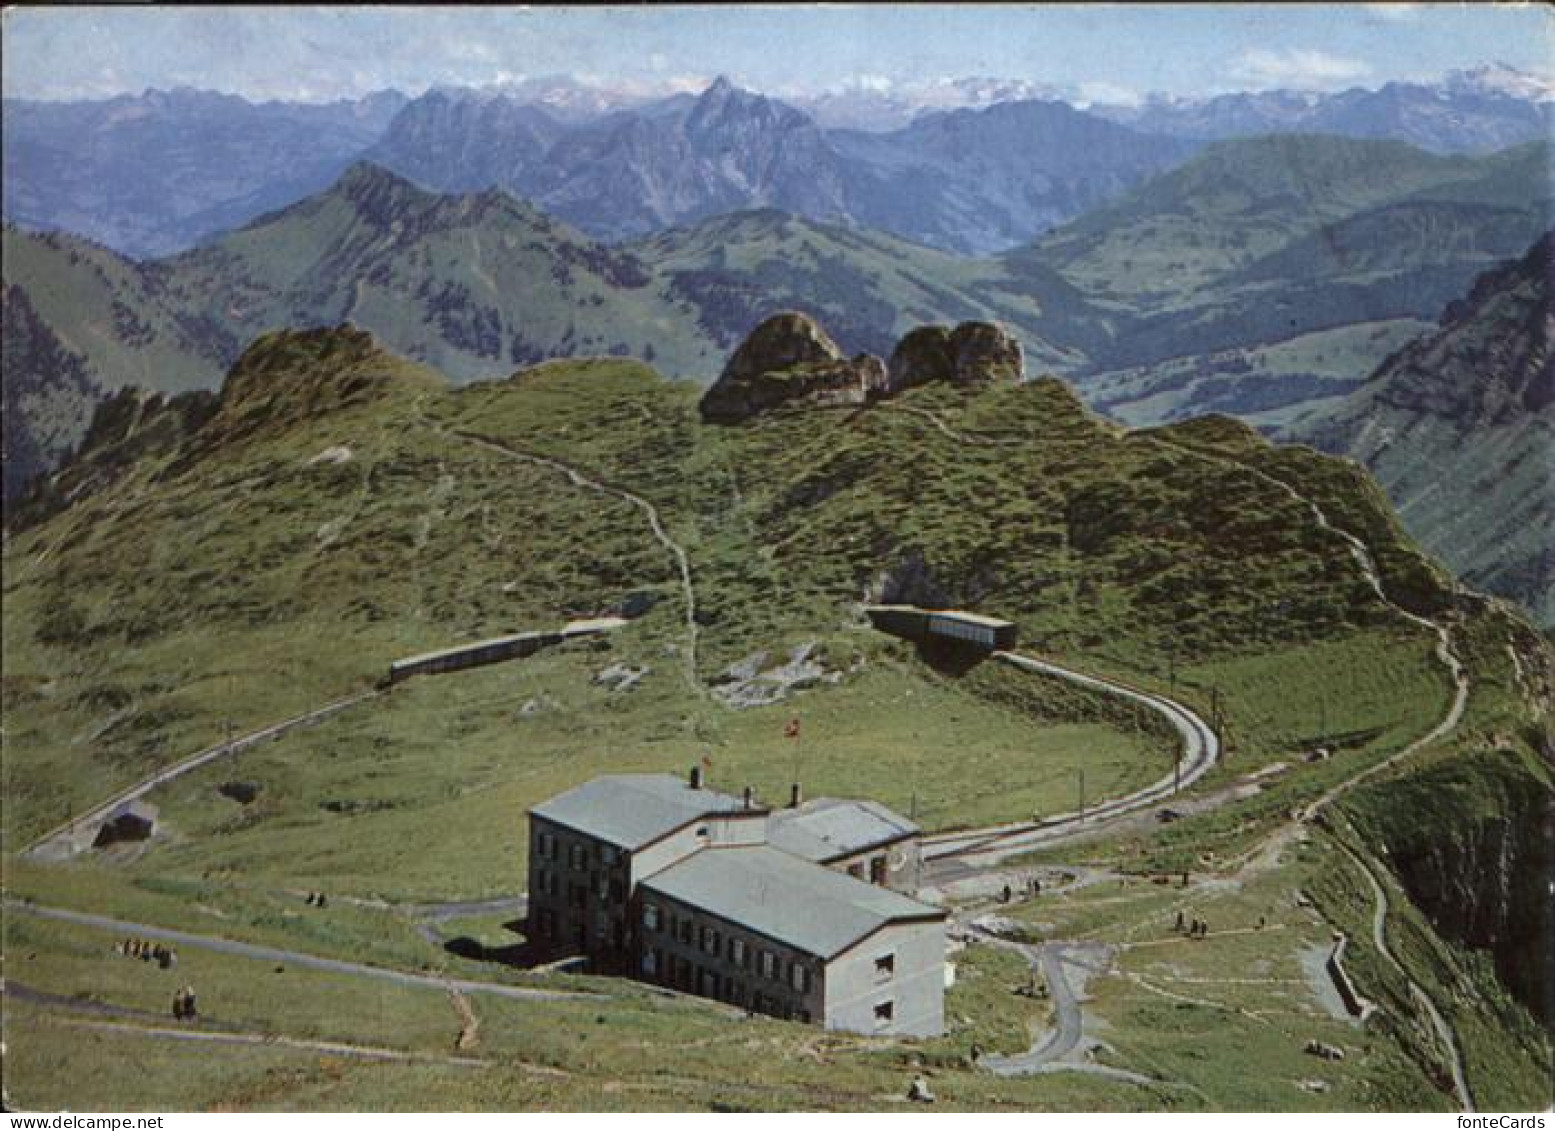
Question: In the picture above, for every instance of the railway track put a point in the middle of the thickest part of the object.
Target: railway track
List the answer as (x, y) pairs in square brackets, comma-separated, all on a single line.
[(1199, 751), (62, 839)]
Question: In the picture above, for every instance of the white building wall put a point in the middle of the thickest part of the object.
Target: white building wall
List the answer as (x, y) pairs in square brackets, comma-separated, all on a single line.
[(742, 828), (915, 988)]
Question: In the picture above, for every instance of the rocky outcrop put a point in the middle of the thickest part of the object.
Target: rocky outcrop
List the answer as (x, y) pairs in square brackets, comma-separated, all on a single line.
[(984, 352), (789, 358), (923, 355), (973, 353)]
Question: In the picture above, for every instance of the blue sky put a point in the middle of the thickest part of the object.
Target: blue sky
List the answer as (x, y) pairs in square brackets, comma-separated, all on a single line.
[(1109, 49)]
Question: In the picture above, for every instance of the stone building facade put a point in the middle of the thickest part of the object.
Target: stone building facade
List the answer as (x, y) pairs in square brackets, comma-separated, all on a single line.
[(660, 879)]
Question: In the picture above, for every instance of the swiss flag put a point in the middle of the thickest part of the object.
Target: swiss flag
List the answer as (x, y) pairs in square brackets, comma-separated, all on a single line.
[(792, 729)]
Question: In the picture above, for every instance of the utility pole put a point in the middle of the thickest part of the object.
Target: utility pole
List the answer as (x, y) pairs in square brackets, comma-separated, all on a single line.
[(1082, 792)]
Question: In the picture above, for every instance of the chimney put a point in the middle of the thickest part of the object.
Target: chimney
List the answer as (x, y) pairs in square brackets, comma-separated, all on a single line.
[(696, 777), (795, 796), (750, 798)]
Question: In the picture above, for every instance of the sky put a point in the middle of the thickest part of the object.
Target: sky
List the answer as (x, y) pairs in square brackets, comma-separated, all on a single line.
[(1105, 52)]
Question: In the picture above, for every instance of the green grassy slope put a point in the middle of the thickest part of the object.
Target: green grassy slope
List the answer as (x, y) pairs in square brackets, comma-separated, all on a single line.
[(343, 507)]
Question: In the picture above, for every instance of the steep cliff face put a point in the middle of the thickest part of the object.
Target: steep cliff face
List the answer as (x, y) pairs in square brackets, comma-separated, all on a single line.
[(1458, 426), (1470, 841), (130, 426)]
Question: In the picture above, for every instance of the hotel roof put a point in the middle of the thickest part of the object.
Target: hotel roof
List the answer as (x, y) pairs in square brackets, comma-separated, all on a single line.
[(792, 901), (829, 828), (633, 810)]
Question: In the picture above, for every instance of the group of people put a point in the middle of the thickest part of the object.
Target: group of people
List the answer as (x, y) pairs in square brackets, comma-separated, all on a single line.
[(1033, 889), (147, 951), (184, 1008), (316, 899), (1196, 928)]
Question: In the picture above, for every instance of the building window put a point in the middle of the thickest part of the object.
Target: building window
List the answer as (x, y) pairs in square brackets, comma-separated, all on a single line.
[(579, 856), (650, 962), (710, 940), (856, 871), (877, 870), (608, 855), (737, 952), (799, 976), (687, 931), (768, 964), (885, 967), (651, 916), (547, 846), (883, 1014)]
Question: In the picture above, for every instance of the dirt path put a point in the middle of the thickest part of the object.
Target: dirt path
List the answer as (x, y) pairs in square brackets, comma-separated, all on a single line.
[(127, 1025), (935, 419), (64, 841), (469, 1024), (655, 523), (295, 958), (1379, 937)]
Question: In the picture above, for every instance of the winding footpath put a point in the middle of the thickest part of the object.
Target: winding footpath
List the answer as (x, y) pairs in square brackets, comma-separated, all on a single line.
[(297, 958), (988, 847), (1379, 936), (581, 479)]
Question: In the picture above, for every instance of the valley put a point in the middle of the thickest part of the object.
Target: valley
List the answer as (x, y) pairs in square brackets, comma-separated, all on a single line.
[(901, 559)]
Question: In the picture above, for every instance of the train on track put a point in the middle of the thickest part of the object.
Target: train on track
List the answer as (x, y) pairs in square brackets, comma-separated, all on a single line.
[(989, 634)]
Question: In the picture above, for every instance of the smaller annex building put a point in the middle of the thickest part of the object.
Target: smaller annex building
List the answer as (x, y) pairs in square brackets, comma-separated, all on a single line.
[(799, 913)]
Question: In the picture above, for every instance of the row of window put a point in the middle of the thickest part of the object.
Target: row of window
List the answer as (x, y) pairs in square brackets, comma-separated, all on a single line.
[(877, 870), (577, 852), (681, 973), (712, 941), (609, 889)]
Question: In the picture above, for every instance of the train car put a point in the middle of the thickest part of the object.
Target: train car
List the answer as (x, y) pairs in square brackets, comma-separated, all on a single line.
[(989, 633), (472, 655), (971, 629)]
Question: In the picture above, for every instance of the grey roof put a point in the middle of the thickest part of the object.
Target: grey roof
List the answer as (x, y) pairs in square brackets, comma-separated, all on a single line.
[(631, 810), (806, 906), (829, 827)]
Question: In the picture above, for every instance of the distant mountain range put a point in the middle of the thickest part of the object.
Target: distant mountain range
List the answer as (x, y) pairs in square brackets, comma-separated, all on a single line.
[(1260, 276), (1470, 111), (967, 181), (973, 165), (156, 173)]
